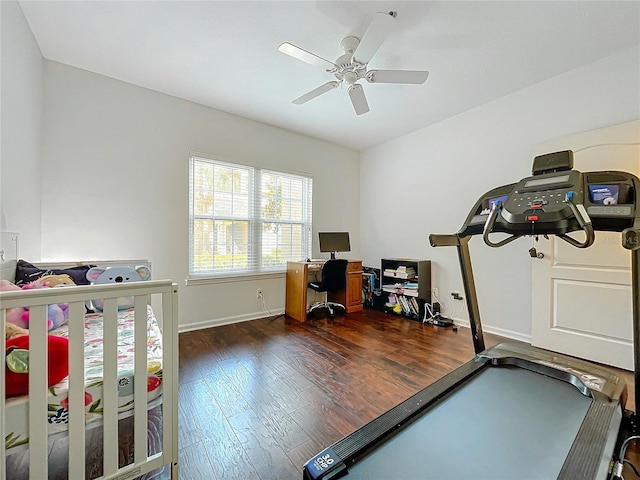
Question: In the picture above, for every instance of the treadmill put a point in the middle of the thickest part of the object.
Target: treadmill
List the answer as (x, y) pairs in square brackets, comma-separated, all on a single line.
[(513, 411)]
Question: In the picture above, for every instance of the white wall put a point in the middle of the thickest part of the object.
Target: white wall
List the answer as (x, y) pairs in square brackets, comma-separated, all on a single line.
[(115, 182), (21, 129), (114, 175), (427, 182)]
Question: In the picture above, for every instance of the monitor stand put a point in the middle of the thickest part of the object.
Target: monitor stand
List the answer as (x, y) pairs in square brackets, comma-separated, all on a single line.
[(333, 255)]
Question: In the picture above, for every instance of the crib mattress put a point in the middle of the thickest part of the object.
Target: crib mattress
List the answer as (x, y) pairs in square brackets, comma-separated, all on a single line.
[(57, 416)]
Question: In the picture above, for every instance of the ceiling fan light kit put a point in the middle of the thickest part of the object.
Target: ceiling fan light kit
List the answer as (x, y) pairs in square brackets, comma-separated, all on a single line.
[(351, 66)]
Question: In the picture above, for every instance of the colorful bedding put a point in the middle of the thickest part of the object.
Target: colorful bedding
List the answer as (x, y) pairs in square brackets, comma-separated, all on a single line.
[(57, 415)]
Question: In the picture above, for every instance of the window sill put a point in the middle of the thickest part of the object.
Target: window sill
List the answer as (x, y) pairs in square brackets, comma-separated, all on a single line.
[(233, 278)]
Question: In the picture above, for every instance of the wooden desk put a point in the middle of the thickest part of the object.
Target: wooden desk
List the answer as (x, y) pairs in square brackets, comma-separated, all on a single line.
[(296, 292)]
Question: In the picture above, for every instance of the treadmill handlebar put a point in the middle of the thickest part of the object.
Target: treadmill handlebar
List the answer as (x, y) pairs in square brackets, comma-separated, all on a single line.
[(444, 240), (577, 211), (488, 228), (580, 213)]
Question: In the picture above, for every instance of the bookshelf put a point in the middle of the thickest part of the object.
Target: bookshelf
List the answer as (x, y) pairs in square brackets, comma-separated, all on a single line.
[(407, 283)]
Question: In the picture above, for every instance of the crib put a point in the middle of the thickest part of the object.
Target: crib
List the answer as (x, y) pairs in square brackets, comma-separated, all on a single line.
[(96, 431)]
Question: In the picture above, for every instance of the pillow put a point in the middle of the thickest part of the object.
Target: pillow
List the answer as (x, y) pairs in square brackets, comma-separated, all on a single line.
[(17, 379), (26, 273)]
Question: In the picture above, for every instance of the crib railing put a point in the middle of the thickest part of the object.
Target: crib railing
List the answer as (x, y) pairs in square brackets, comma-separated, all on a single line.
[(76, 297)]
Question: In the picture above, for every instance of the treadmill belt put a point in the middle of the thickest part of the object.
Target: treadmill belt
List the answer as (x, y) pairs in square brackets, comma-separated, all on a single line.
[(505, 422)]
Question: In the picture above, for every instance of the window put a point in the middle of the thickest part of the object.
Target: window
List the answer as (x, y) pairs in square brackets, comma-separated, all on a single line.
[(246, 220)]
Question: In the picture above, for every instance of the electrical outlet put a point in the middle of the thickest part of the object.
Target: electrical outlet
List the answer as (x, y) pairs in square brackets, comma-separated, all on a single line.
[(434, 290), (259, 293)]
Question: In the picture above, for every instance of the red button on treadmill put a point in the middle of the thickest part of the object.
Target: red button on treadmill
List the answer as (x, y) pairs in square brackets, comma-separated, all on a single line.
[(532, 218)]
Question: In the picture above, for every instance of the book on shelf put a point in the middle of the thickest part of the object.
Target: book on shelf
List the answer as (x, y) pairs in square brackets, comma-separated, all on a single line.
[(403, 303), (401, 290), (416, 306), (410, 289), (414, 309), (409, 308), (406, 269), (405, 275), (406, 305), (400, 272)]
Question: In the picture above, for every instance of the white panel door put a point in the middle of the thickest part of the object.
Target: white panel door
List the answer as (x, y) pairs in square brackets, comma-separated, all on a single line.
[(581, 298)]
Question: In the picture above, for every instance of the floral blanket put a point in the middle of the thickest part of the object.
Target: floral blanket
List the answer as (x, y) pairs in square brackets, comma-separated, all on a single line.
[(57, 415)]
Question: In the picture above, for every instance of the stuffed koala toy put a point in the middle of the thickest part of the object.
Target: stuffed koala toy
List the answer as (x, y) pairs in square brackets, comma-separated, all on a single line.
[(119, 274)]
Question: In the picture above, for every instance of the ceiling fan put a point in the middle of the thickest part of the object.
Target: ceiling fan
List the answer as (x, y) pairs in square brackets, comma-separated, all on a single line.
[(351, 67)]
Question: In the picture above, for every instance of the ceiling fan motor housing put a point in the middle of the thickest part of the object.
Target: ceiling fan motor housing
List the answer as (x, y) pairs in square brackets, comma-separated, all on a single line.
[(346, 68)]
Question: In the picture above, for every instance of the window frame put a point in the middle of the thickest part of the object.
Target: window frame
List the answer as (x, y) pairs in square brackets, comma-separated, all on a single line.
[(255, 219)]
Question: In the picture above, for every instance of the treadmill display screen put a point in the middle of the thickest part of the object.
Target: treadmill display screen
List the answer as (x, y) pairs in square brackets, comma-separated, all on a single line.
[(541, 182)]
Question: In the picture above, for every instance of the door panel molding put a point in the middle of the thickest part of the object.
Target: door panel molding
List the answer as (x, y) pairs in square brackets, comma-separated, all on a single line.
[(581, 298)]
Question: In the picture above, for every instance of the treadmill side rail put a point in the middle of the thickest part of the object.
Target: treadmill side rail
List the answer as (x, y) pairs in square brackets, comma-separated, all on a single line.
[(356, 445), (594, 444), (325, 465)]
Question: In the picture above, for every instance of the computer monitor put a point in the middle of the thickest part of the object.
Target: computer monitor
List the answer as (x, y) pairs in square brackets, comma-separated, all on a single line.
[(334, 242)]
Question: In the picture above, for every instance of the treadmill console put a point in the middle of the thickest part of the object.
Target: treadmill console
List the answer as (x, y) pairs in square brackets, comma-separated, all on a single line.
[(543, 200), (558, 202)]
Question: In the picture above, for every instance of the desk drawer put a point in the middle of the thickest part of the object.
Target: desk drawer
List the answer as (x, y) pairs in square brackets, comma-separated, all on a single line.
[(354, 267)]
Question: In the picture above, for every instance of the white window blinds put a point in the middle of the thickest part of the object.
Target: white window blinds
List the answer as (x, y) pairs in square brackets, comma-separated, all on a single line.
[(246, 220)]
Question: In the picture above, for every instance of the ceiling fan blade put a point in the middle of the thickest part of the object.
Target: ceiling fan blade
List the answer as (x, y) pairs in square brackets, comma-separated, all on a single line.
[(316, 92), (397, 76), (358, 99), (302, 54), (378, 30)]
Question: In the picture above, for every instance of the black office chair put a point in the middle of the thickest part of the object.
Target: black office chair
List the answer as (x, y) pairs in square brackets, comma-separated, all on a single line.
[(334, 278)]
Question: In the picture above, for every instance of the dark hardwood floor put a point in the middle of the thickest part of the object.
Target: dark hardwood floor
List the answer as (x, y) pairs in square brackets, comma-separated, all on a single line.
[(259, 398)]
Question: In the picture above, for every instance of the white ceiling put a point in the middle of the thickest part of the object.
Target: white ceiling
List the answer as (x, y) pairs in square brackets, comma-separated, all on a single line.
[(224, 54)]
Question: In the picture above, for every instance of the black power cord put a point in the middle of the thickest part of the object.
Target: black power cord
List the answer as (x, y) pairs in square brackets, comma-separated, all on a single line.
[(437, 319), (616, 472)]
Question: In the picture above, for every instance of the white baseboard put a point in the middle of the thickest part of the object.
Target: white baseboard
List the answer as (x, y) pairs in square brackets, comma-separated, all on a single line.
[(503, 332), (218, 322)]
